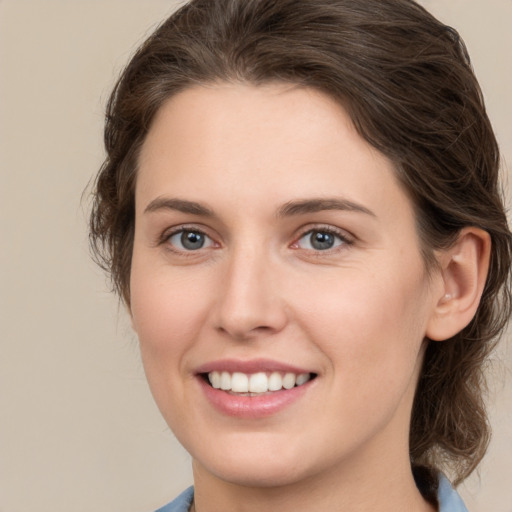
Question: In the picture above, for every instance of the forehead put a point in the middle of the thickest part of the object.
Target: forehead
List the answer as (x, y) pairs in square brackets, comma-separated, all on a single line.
[(275, 141), (248, 117)]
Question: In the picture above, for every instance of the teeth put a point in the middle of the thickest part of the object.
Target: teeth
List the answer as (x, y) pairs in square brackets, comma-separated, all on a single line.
[(260, 382), (225, 381), (289, 381), (239, 382), (215, 379), (302, 379), (275, 382)]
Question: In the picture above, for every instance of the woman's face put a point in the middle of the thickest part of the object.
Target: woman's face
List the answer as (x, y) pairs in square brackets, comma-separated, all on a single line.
[(275, 249)]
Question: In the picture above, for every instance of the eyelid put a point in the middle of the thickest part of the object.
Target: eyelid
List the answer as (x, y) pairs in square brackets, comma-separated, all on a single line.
[(346, 237), (164, 238)]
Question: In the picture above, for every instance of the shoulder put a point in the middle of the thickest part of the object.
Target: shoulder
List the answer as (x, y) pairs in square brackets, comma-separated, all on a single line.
[(449, 500), (181, 503)]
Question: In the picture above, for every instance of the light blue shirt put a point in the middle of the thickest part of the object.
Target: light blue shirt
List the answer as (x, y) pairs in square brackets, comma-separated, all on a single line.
[(449, 500)]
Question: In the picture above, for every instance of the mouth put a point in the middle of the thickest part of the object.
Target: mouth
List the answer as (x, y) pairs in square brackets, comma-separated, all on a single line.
[(254, 389), (255, 384)]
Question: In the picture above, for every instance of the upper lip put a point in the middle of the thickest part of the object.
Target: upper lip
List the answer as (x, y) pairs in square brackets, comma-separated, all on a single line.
[(249, 366)]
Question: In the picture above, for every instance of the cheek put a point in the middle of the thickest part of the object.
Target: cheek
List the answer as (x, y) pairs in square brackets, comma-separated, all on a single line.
[(165, 315), (371, 324), (162, 316), (165, 305)]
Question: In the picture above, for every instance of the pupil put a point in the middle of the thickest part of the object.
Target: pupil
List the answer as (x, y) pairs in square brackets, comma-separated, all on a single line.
[(192, 240), (321, 240)]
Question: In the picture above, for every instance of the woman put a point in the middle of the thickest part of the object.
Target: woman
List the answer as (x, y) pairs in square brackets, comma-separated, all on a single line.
[(300, 208)]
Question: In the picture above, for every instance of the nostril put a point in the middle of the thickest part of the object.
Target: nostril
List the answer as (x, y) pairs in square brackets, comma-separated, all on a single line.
[(239, 333)]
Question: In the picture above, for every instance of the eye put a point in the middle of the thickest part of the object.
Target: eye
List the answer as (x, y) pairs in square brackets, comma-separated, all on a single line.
[(320, 240), (190, 240)]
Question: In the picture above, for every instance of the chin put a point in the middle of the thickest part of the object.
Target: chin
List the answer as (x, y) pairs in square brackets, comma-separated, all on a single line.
[(263, 475), (256, 467)]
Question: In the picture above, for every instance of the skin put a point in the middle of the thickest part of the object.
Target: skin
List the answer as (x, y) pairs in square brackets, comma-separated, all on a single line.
[(356, 314)]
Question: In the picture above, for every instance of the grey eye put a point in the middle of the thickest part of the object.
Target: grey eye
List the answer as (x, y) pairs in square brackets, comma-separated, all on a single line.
[(319, 240), (188, 240)]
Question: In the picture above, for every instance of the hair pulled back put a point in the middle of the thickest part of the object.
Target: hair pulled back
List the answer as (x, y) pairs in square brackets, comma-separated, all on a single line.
[(407, 83)]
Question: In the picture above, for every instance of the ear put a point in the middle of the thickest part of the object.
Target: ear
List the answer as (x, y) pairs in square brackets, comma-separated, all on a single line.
[(463, 274)]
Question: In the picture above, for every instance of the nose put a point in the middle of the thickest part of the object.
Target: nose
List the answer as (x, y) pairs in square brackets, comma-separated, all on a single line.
[(250, 301)]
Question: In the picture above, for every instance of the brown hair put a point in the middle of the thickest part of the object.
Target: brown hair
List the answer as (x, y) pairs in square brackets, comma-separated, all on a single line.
[(406, 81)]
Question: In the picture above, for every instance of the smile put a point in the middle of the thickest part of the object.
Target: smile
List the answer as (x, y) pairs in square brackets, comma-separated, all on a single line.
[(255, 389), (256, 383)]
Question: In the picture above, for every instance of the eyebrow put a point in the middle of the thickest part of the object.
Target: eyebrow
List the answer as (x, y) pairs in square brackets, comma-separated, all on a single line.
[(287, 210), (180, 205), (320, 205)]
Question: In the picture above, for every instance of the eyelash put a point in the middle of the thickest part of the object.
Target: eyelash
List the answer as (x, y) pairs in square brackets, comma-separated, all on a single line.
[(167, 235), (344, 239)]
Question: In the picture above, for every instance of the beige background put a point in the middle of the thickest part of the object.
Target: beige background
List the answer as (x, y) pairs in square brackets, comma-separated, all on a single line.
[(78, 428)]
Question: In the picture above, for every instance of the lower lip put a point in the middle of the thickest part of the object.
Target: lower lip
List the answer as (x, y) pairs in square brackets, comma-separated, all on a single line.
[(252, 407)]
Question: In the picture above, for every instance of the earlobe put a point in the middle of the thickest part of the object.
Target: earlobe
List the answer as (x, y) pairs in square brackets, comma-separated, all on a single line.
[(464, 268)]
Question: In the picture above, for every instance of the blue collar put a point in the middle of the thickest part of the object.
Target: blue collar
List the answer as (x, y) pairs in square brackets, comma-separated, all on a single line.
[(449, 500)]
